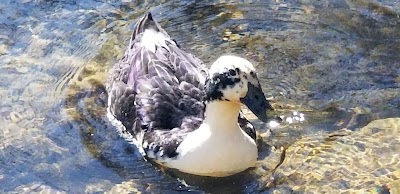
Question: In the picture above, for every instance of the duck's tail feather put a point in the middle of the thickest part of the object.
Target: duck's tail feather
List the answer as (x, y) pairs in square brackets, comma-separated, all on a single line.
[(146, 22)]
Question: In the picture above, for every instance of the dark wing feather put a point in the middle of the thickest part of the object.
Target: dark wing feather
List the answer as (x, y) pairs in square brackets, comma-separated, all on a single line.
[(157, 94), (122, 106), (247, 126)]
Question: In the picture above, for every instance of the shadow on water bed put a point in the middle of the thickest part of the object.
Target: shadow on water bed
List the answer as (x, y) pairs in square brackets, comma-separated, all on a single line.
[(337, 62)]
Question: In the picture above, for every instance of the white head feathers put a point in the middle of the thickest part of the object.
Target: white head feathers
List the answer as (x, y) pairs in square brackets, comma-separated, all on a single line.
[(229, 78)]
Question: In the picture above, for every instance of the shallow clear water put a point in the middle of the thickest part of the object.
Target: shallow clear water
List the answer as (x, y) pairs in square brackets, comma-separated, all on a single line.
[(337, 62)]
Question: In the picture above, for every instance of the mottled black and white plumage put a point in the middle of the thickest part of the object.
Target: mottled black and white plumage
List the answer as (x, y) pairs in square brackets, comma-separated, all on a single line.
[(158, 94)]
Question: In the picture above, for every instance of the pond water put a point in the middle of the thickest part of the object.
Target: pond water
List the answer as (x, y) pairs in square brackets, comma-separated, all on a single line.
[(337, 62)]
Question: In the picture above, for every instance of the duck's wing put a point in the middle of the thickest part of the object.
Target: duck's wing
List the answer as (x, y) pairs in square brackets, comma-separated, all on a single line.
[(246, 126), (156, 90)]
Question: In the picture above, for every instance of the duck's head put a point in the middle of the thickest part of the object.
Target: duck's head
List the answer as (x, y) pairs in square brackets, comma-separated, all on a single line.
[(234, 79)]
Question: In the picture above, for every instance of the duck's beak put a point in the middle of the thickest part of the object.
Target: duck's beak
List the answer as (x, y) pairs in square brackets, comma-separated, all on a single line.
[(256, 102)]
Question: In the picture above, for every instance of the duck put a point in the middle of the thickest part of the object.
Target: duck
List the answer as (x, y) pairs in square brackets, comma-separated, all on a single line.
[(181, 114)]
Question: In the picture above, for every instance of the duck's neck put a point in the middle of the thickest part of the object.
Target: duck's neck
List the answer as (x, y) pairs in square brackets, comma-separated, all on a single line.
[(222, 115)]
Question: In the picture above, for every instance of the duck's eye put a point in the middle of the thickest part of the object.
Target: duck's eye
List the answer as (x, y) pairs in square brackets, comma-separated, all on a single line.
[(253, 74), (232, 72)]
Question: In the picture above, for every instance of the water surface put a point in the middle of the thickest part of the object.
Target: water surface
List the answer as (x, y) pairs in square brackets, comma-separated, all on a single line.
[(337, 62)]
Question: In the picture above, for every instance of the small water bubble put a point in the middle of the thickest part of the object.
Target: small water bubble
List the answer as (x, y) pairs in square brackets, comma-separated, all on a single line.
[(289, 120), (273, 124)]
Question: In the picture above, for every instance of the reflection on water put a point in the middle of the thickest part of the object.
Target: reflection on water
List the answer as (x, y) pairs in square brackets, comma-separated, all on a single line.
[(337, 62)]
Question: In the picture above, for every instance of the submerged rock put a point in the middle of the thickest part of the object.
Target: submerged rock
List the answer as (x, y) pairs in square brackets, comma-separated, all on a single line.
[(367, 160)]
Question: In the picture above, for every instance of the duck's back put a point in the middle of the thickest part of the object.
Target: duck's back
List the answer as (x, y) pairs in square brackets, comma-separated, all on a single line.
[(156, 90)]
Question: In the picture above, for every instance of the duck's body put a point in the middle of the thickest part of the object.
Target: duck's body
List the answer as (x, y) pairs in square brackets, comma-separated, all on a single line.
[(219, 147), (178, 113)]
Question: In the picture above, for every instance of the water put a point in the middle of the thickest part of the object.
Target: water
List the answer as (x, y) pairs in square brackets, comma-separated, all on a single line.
[(337, 62)]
